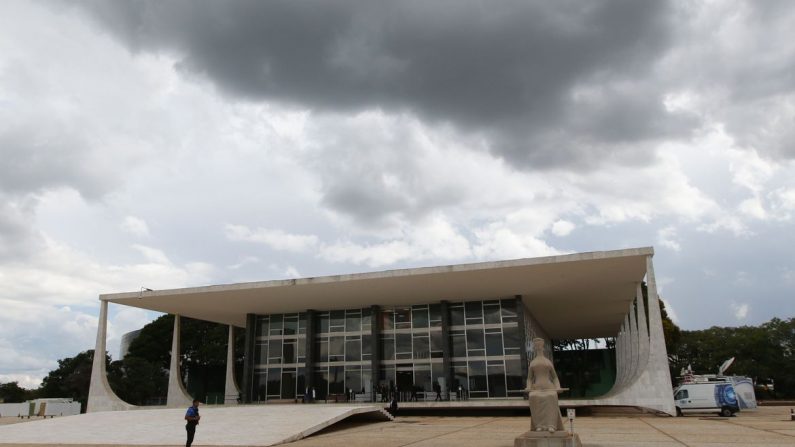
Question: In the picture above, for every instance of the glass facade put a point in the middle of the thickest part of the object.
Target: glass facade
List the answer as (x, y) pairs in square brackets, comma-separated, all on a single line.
[(486, 349), (280, 357), (411, 351), (483, 342), (343, 346)]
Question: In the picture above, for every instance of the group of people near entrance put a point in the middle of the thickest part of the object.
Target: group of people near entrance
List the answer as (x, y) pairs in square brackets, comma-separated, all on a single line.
[(406, 394)]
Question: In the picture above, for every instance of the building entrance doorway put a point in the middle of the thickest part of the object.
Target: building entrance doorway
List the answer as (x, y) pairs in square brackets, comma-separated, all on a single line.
[(405, 383), (288, 385)]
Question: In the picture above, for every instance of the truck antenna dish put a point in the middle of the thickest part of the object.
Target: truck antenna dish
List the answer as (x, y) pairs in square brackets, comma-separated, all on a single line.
[(725, 366)]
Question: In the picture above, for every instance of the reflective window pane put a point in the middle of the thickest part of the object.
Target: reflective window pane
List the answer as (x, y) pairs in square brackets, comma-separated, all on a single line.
[(262, 352), (437, 342), (403, 318), (300, 348), (367, 344), (336, 378), (353, 323), (422, 379), (435, 315), (336, 349), (459, 345), (262, 330), (321, 383), (457, 315), (322, 350), (496, 381), (403, 343), (289, 353), (512, 337), (302, 323), (276, 325), (475, 339), (421, 347), (288, 385), (460, 383), (474, 309), (387, 321), (494, 344), (477, 376), (323, 323), (291, 325), (388, 348), (260, 385), (353, 350), (513, 374), (491, 314), (508, 310), (420, 317), (337, 321), (275, 351), (274, 382), (353, 380)]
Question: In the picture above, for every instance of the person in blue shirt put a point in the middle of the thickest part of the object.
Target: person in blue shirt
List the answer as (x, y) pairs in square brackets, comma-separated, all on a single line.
[(192, 416)]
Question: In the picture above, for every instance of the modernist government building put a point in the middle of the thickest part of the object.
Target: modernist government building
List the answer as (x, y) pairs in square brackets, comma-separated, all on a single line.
[(464, 330)]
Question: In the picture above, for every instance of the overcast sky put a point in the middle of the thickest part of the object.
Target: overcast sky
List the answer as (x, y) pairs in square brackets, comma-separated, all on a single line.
[(172, 144)]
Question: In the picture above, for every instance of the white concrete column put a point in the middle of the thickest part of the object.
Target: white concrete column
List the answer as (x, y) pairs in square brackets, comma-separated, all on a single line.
[(100, 395), (625, 356), (634, 342), (658, 354), (231, 390), (620, 358), (177, 394), (651, 386), (643, 329)]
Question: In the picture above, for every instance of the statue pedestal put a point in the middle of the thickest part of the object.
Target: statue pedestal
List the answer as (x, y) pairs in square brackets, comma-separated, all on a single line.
[(547, 439)]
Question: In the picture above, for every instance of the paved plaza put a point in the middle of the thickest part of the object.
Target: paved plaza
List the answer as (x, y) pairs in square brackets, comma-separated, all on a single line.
[(768, 426), (249, 425)]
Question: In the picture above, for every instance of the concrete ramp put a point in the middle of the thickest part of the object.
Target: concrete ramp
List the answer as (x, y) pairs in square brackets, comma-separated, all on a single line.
[(249, 425)]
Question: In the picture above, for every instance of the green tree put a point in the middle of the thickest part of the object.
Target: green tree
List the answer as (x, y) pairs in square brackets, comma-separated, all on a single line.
[(761, 352), (143, 373), (11, 392), (71, 379), (137, 380)]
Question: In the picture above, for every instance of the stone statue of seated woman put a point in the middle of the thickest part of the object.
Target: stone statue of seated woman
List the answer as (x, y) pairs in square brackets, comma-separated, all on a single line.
[(543, 388)]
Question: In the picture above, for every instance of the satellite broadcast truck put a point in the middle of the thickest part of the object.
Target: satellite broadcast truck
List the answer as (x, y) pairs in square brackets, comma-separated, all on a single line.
[(713, 393)]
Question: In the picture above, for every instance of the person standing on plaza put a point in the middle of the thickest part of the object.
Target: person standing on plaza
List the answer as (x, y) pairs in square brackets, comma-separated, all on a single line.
[(192, 416)]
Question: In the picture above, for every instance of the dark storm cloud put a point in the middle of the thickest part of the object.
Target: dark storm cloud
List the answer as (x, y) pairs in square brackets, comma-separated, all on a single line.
[(508, 70)]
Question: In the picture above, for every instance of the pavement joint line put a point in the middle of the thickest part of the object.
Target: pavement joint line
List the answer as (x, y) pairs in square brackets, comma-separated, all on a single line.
[(664, 433), (768, 430), (450, 432)]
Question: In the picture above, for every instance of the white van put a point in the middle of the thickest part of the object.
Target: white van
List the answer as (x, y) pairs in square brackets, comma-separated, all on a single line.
[(706, 397)]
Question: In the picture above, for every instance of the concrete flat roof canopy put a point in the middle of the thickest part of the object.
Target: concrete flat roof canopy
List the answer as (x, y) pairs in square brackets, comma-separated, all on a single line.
[(584, 295)]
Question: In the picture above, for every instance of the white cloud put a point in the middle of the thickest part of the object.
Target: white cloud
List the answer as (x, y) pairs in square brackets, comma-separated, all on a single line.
[(562, 228), (247, 260), (273, 238), (667, 238), (740, 311), (749, 170), (753, 208), (135, 226), (292, 272), (434, 239)]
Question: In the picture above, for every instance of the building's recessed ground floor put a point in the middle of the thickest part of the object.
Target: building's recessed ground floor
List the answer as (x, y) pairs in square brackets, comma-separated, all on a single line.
[(459, 332)]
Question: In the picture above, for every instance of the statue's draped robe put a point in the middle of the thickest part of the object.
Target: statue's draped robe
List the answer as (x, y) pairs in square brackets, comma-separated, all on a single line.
[(543, 396)]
